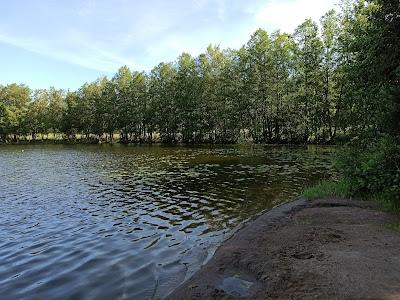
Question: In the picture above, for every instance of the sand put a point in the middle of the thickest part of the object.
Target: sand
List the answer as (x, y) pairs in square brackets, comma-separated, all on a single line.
[(325, 249)]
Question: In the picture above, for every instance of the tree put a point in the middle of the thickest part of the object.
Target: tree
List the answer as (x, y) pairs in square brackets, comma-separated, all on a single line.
[(308, 74), (71, 122), (258, 79), (282, 56), (320, 83), (186, 96), (330, 59), (15, 98), (37, 115), (57, 109), (162, 87)]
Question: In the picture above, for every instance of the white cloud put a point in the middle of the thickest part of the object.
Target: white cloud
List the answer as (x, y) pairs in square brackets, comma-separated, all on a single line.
[(286, 15), (168, 48), (103, 35), (85, 54)]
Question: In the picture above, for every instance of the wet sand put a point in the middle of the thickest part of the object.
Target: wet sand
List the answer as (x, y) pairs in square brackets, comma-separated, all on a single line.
[(327, 249)]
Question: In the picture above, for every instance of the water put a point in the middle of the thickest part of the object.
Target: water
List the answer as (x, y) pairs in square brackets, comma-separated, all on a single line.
[(130, 222)]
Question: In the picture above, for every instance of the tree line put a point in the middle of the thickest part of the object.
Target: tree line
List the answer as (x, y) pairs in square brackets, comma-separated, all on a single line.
[(369, 163), (307, 86)]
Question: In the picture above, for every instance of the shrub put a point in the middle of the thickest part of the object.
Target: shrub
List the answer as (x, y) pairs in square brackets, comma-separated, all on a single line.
[(372, 169)]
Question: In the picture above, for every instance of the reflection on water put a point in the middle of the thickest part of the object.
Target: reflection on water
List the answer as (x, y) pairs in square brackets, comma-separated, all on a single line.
[(130, 222)]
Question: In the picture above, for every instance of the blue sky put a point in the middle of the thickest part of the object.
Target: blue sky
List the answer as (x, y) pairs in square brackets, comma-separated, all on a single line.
[(64, 43)]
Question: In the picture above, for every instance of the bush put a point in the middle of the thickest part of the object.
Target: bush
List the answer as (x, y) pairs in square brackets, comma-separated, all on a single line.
[(373, 169)]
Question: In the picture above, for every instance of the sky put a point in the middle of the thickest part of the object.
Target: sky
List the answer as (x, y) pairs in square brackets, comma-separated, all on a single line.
[(65, 43)]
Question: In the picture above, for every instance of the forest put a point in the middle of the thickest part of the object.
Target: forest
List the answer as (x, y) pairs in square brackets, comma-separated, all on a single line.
[(323, 83)]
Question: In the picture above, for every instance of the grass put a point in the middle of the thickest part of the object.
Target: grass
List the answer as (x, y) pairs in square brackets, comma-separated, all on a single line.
[(326, 189), (385, 203), (342, 189)]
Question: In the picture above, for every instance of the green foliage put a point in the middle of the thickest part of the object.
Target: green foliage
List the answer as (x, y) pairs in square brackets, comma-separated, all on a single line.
[(373, 168), (371, 161), (327, 189), (335, 80), (272, 90), (368, 78)]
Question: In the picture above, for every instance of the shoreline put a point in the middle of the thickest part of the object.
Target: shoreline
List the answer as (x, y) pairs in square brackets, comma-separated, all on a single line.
[(84, 141), (331, 249)]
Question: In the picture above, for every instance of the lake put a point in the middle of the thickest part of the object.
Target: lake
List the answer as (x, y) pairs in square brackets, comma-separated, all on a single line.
[(133, 222)]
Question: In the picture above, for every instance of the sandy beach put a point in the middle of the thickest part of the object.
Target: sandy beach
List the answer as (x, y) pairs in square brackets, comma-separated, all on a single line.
[(326, 249)]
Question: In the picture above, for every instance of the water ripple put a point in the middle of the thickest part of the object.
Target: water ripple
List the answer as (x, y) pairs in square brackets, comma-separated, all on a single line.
[(119, 222)]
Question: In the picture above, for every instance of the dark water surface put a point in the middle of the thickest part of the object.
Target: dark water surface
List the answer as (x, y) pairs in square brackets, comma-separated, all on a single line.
[(130, 222)]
